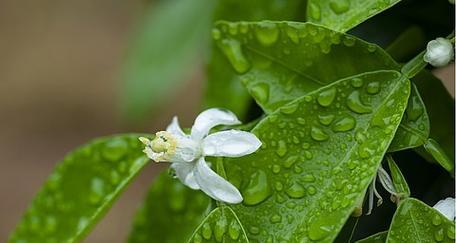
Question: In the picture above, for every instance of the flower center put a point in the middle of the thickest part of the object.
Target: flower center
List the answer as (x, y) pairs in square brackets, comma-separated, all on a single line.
[(164, 142)]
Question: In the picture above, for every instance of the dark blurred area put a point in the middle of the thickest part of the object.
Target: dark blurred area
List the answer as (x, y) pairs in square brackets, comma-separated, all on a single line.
[(60, 68)]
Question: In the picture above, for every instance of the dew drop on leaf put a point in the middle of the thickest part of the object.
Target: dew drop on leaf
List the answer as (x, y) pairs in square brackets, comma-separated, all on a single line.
[(315, 12), (436, 220), (354, 103), (290, 161), (206, 231), (197, 238), (276, 218), (339, 6), (234, 230), (233, 51), (318, 134), (289, 109), (325, 119), (357, 82), (320, 228), (267, 33), (257, 190), (414, 108), (344, 124), (373, 88), (439, 235), (282, 148), (114, 149), (326, 97), (220, 229), (295, 191)]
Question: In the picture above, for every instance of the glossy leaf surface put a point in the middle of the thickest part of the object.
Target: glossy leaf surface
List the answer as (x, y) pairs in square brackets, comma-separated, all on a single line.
[(170, 212), (281, 61), (221, 225), (416, 222), (377, 238), (319, 154), (80, 190), (171, 39), (224, 88), (342, 15)]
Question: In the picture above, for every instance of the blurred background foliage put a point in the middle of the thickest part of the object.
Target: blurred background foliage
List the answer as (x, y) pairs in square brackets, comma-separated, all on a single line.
[(74, 70)]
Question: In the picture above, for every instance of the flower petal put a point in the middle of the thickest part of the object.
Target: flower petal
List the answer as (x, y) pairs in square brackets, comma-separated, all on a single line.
[(211, 118), (214, 185), (174, 127), (184, 171), (447, 208), (232, 143)]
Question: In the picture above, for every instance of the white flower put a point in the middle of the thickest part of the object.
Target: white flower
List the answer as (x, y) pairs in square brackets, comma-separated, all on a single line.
[(187, 152), (387, 183), (439, 52), (447, 208)]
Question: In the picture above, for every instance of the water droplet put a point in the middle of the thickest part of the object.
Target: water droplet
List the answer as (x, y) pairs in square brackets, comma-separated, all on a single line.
[(295, 191), (260, 92), (308, 154), (320, 227), (282, 148), (234, 230), (276, 218), (373, 88), (365, 151), (114, 150), (301, 121), (308, 178), (339, 6), (206, 231), (355, 104), (289, 109), (315, 12), (233, 51), (371, 48), (254, 230), (278, 186), (436, 220), (357, 82), (439, 235), (311, 190), (96, 190), (292, 33), (290, 161), (325, 119), (318, 134), (344, 124), (220, 229), (326, 97), (275, 169), (258, 189), (349, 41), (267, 33)]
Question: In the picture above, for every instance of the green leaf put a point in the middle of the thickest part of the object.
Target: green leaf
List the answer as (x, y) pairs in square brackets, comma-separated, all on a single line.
[(170, 213), (286, 60), (434, 149), (376, 238), (342, 15), (319, 154), (399, 182), (414, 128), (223, 87), (221, 225), (416, 222), (440, 107), (281, 61), (171, 39), (81, 189)]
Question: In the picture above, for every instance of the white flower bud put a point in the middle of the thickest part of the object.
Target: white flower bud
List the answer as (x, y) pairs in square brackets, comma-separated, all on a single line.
[(439, 52)]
